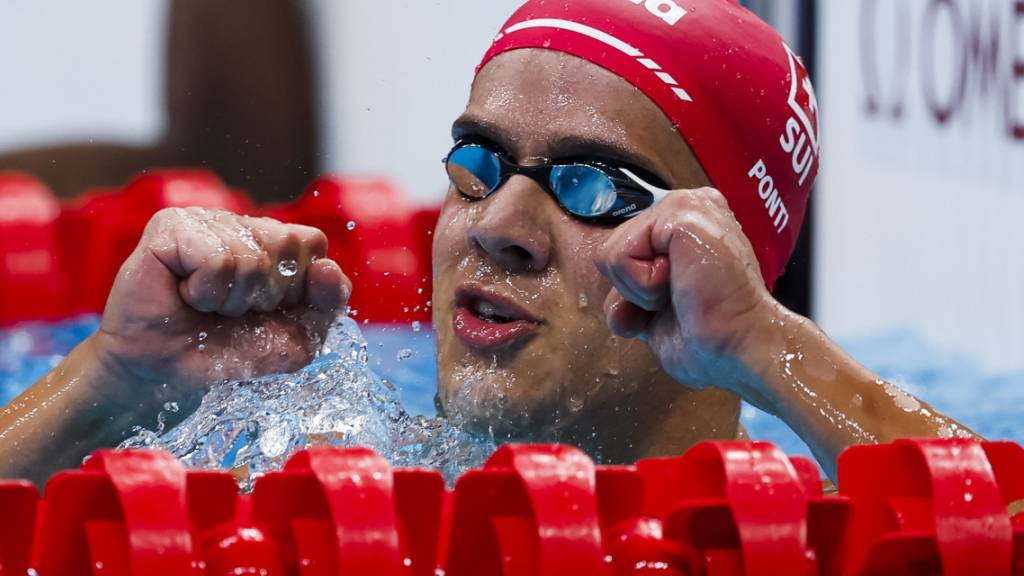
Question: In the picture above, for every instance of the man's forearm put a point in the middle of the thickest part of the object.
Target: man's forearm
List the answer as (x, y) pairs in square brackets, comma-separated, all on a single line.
[(827, 397), (61, 419)]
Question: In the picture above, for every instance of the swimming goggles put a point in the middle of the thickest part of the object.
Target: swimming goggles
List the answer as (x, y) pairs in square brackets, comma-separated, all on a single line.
[(592, 190)]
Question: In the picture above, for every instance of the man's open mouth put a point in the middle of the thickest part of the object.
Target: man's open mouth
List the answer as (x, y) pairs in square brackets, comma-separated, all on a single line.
[(488, 312), (484, 319)]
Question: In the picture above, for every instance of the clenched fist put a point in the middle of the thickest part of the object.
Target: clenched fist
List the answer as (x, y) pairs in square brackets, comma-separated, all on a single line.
[(210, 295), (207, 295), (687, 282)]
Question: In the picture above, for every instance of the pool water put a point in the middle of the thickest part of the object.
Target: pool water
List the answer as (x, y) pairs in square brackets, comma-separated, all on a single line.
[(404, 355)]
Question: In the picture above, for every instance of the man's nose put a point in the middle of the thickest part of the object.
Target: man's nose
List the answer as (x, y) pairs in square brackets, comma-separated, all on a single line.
[(513, 227)]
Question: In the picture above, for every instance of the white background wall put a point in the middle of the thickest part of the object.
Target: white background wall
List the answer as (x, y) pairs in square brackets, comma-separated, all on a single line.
[(920, 223), (78, 70), (394, 75)]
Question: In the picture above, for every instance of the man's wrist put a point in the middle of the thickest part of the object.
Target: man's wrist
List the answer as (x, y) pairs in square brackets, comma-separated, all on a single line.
[(110, 383), (64, 416), (768, 345)]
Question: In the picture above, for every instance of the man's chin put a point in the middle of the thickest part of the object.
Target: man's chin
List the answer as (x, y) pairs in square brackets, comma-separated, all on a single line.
[(491, 414), (489, 419)]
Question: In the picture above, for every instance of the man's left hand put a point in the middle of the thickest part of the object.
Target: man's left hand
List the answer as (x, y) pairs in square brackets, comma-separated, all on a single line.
[(686, 281)]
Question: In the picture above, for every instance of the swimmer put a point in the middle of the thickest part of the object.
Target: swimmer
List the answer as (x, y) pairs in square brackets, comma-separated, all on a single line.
[(627, 183)]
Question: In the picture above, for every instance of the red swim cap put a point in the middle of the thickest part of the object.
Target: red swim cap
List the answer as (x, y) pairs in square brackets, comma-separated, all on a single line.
[(736, 92)]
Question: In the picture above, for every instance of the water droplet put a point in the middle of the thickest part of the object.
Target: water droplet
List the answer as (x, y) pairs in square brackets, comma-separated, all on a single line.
[(905, 401), (247, 238), (351, 225), (201, 347), (288, 268), (274, 441), (203, 336), (968, 497), (171, 406), (404, 354), (575, 403), (316, 193), (416, 326)]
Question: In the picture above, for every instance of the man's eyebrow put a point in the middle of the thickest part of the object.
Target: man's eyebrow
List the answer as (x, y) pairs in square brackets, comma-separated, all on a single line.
[(470, 126), (572, 146), (560, 146)]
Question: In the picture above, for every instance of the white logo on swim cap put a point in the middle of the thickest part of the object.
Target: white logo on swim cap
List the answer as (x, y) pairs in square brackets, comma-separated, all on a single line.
[(667, 10), (606, 39), (800, 139)]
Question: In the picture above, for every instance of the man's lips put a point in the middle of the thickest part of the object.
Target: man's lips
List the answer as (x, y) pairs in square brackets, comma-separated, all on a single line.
[(484, 319)]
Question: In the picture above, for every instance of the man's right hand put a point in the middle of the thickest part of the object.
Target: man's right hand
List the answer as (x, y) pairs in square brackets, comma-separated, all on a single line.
[(209, 295), (206, 296)]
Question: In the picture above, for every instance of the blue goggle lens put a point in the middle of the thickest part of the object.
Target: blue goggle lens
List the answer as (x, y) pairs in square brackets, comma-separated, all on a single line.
[(583, 190), (475, 171)]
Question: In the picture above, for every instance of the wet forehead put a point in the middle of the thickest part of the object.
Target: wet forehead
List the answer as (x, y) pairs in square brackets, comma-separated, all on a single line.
[(544, 103)]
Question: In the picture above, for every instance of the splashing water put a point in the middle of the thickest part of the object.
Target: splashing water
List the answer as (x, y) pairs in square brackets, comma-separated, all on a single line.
[(253, 426)]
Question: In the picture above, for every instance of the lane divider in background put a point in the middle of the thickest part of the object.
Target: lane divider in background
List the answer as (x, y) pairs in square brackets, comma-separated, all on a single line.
[(60, 259), (31, 283)]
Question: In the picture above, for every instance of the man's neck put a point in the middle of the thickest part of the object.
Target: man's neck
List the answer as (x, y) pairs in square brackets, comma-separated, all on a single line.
[(661, 420)]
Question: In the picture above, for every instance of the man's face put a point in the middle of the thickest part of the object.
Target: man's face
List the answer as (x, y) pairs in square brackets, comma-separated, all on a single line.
[(523, 348)]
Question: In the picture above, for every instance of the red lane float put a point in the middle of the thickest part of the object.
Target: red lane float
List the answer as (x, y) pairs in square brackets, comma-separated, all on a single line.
[(341, 511), (99, 230), (722, 509), (61, 260), (129, 513), (425, 222), (31, 283), (530, 510), (82, 252), (373, 234), (933, 506), (18, 501)]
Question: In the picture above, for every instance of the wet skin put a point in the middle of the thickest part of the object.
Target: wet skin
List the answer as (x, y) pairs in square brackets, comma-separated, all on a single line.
[(567, 378), (681, 278), (630, 341)]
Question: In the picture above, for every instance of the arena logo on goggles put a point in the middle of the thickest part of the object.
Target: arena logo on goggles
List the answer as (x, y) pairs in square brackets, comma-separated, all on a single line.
[(608, 40)]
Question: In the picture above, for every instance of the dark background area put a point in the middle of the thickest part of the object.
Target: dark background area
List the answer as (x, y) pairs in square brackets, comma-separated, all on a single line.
[(794, 288)]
